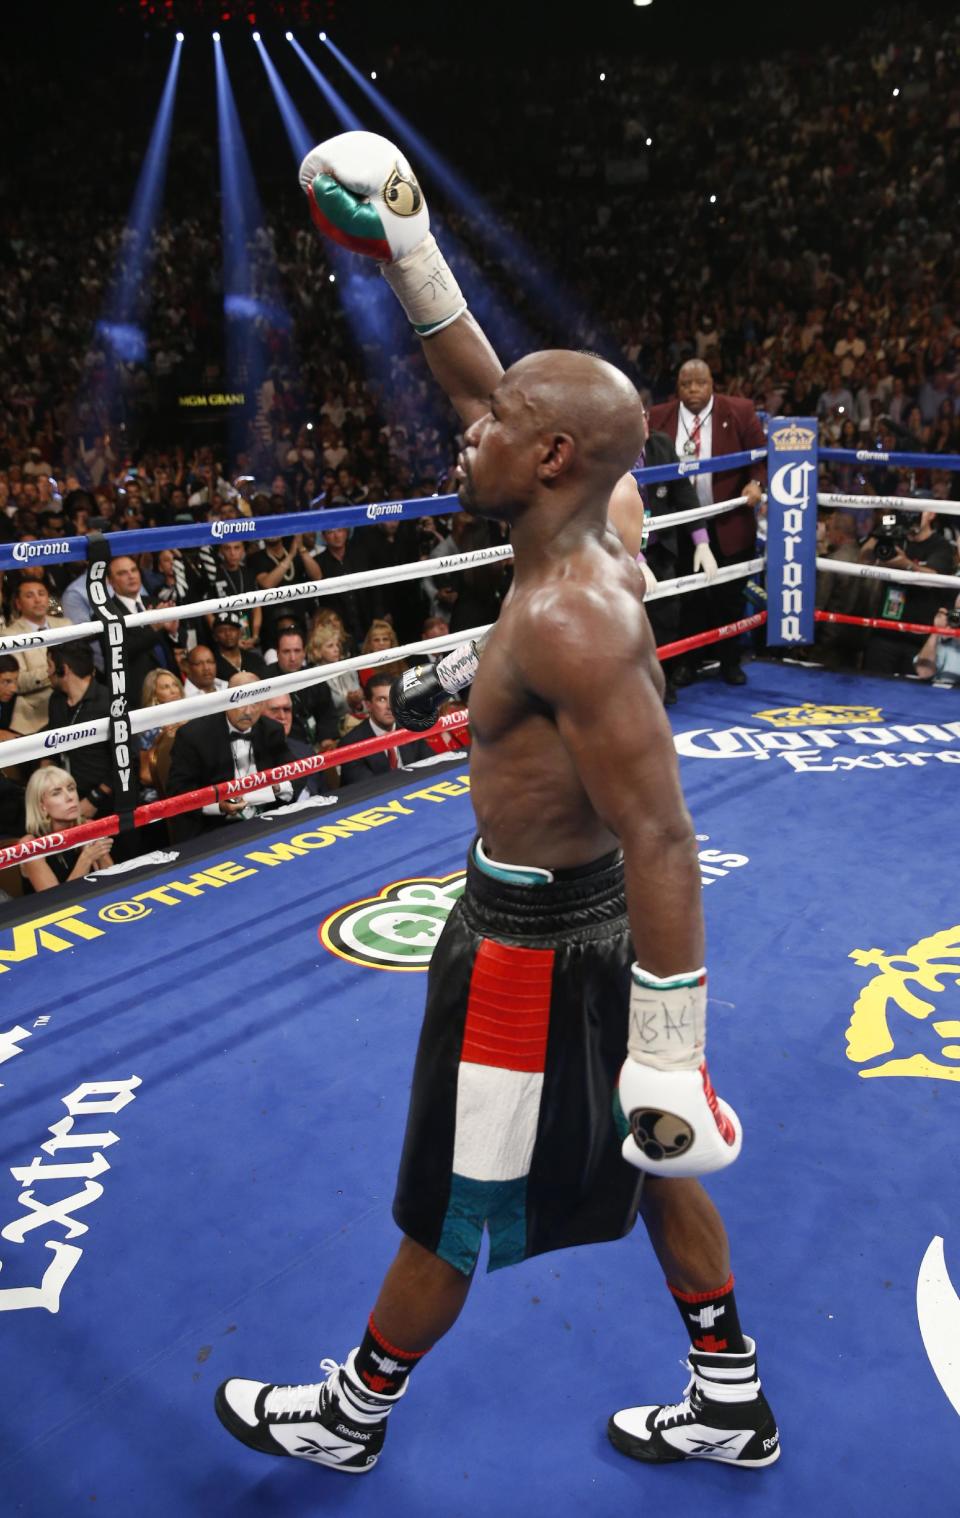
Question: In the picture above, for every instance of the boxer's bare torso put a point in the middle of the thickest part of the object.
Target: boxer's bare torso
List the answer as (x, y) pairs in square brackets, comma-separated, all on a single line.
[(576, 616)]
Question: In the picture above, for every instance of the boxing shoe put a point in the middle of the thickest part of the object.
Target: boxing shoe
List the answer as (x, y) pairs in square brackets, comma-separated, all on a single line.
[(335, 1422), (723, 1417)]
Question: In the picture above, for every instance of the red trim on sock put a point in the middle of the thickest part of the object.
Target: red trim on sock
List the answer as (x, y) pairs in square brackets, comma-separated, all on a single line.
[(391, 1349), (702, 1296)]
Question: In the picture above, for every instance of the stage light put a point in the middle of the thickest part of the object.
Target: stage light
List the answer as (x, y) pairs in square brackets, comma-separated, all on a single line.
[(289, 36), (896, 93), (649, 142), (602, 78), (216, 36), (179, 36), (373, 74), (309, 426), (332, 278), (713, 200), (256, 36), (642, 3), (323, 36)]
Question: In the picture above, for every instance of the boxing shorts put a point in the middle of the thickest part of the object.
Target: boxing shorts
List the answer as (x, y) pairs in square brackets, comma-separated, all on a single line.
[(510, 1126)]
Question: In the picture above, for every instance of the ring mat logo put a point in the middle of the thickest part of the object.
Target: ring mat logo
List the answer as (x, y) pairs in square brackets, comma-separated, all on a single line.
[(397, 929), (811, 715), (931, 965)]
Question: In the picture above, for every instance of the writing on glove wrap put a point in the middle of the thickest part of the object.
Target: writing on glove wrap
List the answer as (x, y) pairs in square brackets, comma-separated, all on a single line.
[(671, 1120), (417, 695)]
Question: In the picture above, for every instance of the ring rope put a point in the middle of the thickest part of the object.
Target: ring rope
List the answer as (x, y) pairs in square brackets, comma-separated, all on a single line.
[(877, 572), (893, 502), (190, 801)]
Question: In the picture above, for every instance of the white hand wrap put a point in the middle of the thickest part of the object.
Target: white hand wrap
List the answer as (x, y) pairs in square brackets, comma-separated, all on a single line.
[(459, 667), (668, 1019), (426, 287)]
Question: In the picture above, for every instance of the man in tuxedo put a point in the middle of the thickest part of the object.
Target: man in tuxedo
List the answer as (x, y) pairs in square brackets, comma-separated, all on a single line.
[(225, 746), (705, 425), (379, 720)]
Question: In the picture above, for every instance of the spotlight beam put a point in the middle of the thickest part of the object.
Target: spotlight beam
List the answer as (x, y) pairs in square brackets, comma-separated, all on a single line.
[(117, 325), (336, 102), (298, 133)]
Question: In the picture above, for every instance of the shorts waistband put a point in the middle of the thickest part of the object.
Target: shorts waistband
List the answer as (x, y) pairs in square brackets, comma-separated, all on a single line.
[(534, 875), (588, 897)]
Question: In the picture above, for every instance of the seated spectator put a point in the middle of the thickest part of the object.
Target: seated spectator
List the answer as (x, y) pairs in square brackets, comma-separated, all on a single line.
[(314, 713), (380, 635), (280, 709), (235, 578), (9, 698), (31, 605), (379, 720), (326, 646), (287, 621), (156, 743), (939, 658), (76, 698), (230, 657), (225, 746), (200, 668), (52, 805)]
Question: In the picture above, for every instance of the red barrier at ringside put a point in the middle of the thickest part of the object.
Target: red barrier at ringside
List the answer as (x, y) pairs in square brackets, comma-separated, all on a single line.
[(900, 627)]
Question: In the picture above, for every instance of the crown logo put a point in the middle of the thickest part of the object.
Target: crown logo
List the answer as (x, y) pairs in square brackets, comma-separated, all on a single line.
[(820, 716), (793, 437)]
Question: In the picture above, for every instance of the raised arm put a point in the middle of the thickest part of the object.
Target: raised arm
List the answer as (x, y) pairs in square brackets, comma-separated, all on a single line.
[(363, 194)]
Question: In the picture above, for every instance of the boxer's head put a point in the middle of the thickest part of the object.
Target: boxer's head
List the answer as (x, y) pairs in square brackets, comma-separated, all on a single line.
[(695, 385), (560, 424)]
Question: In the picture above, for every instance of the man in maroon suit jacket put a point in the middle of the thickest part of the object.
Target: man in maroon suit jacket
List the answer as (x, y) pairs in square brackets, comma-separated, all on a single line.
[(706, 425)]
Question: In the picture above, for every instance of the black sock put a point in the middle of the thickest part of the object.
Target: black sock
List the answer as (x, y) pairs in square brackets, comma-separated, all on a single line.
[(380, 1366), (711, 1320)]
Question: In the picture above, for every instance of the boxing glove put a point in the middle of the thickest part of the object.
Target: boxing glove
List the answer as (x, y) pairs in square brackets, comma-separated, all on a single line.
[(667, 1112), (417, 695), (364, 195)]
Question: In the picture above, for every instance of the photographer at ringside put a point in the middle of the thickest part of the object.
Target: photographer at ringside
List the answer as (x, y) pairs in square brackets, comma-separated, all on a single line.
[(939, 658), (907, 541)]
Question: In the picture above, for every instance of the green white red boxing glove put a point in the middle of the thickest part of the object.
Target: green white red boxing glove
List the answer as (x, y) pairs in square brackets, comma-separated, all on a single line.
[(364, 195)]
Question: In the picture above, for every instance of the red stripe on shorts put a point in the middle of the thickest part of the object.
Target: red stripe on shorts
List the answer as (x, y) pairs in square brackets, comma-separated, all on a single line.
[(508, 1009)]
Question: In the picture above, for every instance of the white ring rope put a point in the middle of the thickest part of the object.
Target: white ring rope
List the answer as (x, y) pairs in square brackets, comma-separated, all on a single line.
[(891, 503), (877, 572), (56, 740), (422, 569)]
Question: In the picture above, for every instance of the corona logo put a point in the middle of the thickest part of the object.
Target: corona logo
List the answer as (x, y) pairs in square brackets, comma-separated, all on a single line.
[(820, 716), (397, 929), (922, 984), (793, 439)]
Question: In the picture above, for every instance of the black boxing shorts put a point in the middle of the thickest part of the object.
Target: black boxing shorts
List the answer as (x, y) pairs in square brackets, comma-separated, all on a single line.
[(510, 1124)]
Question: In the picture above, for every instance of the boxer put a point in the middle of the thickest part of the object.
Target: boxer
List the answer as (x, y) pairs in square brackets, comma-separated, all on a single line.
[(579, 936)]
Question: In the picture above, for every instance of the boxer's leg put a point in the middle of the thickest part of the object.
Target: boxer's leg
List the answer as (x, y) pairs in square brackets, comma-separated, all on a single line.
[(421, 1298)]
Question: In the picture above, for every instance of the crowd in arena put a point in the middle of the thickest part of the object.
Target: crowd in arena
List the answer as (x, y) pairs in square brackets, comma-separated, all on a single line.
[(810, 265)]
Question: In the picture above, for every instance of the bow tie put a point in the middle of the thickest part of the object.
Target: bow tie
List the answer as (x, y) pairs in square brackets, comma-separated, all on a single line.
[(236, 737)]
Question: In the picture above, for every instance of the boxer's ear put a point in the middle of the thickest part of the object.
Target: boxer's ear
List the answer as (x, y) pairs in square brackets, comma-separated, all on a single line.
[(558, 452)]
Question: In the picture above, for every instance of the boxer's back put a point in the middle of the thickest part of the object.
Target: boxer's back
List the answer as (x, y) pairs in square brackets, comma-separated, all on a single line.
[(583, 612)]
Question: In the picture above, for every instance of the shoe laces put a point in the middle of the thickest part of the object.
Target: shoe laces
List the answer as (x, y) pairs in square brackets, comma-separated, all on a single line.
[(682, 1411), (300, 1401)]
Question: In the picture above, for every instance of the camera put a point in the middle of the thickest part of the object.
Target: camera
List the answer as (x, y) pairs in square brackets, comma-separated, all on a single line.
[(953, 617), (892, 537)]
